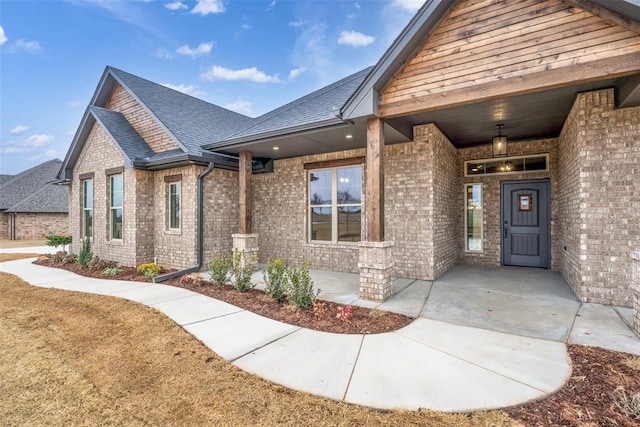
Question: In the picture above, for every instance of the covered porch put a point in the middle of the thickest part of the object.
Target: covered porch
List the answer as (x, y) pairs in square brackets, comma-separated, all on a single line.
[(528, 302)]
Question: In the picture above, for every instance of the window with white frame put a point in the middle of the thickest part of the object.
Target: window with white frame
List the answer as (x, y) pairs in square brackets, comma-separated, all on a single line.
[(116, 219), (473, 218), (335, 204), (173, 205), (87, 208)]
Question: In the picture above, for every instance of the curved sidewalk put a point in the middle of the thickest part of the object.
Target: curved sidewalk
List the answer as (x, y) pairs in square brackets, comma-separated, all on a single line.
[(427, 364)]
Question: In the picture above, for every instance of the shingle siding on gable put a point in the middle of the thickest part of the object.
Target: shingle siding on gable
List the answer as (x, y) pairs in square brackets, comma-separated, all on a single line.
[(157, 138)]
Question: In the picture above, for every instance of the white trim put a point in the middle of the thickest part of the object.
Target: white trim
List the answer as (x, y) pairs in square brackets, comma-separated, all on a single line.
[(466, 219)]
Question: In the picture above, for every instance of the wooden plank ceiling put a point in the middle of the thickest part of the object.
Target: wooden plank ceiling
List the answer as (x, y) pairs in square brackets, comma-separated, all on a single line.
[(488, 49)]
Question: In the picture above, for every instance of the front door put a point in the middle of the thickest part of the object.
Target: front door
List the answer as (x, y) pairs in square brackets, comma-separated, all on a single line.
[(525, 223)]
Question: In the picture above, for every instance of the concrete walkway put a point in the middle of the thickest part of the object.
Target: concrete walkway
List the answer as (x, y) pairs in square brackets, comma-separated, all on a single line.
[(428, 364)]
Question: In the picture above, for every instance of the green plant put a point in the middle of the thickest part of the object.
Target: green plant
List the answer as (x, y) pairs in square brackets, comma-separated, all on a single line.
[(101, 264), (219, 268), (58, 240), (85, 254), (243, 267), (111, 271), (150, 269), (276, 278), (300, 291)]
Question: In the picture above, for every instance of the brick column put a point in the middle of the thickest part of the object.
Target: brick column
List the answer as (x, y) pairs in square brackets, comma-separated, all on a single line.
[(247, 243), (635, 290), (375, 262)]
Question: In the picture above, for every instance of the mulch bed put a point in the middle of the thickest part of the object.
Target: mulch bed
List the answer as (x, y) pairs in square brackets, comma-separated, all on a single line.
[(324, 316)]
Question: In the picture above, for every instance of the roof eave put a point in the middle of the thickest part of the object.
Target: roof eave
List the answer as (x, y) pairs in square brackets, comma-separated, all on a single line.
[(185, 160)]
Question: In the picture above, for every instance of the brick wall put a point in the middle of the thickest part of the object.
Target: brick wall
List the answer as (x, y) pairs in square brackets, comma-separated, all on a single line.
[(4, 226), (492, 229), (37, 225), (220, 212), (157, 138), (603, 143)]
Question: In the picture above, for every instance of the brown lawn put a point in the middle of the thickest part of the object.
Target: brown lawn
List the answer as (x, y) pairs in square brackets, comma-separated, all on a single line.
[(6, 243)]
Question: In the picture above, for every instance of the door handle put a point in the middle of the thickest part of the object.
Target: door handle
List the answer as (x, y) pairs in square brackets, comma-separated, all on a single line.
[(506, 230)]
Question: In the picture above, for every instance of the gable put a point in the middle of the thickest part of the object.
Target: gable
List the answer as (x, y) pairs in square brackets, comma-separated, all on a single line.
[(99, 152), (490, 48), (154, 134)]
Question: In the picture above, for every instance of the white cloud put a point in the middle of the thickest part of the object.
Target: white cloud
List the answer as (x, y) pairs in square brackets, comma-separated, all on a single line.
[(38, 140), (243, 29), (239, 106), (176, 5), (162, 53), (251, 74), (47, 155), (272, 5), (27, 45), (296, 72), (202, 49), (73, 103), (297, 24), (205, 7), (17, 130), (3, 38), (189, 90), (355, 39), (411, 5)]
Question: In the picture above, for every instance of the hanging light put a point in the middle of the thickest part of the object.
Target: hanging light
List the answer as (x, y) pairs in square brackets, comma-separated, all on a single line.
[(500, 143)]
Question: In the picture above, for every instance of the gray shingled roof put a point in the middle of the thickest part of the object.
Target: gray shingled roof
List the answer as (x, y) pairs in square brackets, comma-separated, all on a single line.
[(30, 191), (317, 107), (129, 140), (192, 121), (5, 178)]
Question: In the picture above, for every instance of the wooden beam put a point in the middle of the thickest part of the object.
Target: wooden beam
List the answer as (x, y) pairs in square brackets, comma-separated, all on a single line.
[(374, 192), (335, 163), (245, 192), (617, 66)]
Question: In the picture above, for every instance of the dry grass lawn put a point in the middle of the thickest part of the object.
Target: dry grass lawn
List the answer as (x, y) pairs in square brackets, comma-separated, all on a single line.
[(69, 358)]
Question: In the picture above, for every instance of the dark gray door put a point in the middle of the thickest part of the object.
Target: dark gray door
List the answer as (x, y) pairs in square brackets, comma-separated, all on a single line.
[(525, 223)]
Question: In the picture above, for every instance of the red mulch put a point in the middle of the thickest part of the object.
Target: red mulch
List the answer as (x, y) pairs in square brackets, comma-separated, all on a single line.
[(322, 317)]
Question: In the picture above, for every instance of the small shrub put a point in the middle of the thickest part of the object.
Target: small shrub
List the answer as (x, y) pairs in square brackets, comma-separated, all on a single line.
[(101, 264), (276, 279), (111, 271), (633, 363), (300, 291), (68, 259), (85, 254), (320, 309), (194, 278), (59, 256), (243, 267), (627, 404), (345, 313), (56, 240), (150, 269), (219, 268)]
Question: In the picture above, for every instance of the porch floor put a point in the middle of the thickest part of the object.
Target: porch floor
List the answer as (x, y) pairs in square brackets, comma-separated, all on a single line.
[(527, 302)]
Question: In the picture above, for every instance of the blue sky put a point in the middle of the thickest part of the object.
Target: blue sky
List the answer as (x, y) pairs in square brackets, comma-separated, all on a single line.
[(248, 56)]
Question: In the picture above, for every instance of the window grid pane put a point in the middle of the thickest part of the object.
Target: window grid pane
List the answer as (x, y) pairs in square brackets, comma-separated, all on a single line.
[(474, 217), (87, 208), (116, 216), (174, 205)]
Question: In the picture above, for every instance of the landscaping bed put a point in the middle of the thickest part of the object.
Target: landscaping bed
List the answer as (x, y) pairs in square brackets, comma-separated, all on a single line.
[(322, 316)]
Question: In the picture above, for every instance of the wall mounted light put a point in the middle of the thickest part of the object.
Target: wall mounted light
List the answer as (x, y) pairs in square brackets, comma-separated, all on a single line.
[(499, 143)]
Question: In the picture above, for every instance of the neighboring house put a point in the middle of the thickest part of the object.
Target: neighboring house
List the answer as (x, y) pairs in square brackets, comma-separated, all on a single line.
[(31, 207), (398, 170)]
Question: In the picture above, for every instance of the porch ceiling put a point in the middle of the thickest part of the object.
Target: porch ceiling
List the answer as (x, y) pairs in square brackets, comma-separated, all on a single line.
[(530, 116)]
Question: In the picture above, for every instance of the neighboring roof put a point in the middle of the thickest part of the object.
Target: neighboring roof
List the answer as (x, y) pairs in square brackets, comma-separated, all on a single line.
[(317, 109), (5, 178), (192, 121), (31, 191)]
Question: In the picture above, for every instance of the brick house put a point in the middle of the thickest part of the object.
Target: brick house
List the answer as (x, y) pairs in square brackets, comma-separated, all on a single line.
[(31, 206), (492, 133)]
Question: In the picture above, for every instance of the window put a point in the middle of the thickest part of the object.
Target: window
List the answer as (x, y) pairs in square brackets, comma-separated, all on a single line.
[(115, 202), (473, 214), (87, 208), (173, 206), (531, 163), (335, 204)]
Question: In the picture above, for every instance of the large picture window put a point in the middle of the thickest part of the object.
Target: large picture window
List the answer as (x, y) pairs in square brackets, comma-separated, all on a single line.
[(115, 202), (87, 208), (474, 218), (335, 204), (173, 206)]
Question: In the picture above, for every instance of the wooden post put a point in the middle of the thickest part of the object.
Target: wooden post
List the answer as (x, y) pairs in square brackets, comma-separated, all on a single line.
[(374, 194), (245, 192)]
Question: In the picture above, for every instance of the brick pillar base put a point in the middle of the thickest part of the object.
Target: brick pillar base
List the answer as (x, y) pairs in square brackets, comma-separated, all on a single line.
[(247, 243), (376, 270), (635, 290)]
